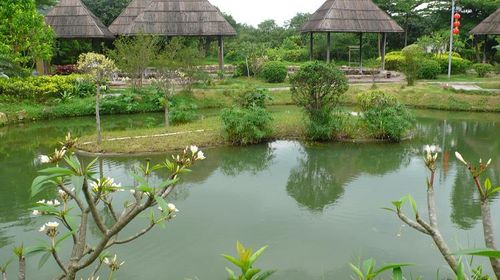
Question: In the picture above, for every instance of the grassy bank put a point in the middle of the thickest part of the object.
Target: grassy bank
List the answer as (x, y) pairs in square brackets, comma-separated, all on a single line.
[(288, 123), (424, 95)]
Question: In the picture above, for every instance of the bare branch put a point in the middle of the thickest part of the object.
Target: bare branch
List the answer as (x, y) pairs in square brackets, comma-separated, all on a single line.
[(412, 223), (58, 261), (133, 237), (93, 209)]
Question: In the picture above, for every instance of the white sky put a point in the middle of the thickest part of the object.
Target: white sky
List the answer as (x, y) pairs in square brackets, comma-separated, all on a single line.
[(256, 11)]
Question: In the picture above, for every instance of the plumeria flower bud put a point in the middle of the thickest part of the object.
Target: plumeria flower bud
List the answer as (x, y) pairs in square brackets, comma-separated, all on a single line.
[(36, 213), (194, 149), (41, 201), (488, 163), (200, 156), (44, 159), (460, 158), (50, 229), (113, 264)]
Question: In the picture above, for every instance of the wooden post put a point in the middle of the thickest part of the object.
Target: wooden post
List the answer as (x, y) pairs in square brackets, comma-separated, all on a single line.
[(484, 49), (221, 54), (329, 46), (361, 53), (384, 43), (311, 46)]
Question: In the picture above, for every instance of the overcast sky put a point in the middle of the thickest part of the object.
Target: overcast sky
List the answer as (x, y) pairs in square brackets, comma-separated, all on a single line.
[(255, 11)]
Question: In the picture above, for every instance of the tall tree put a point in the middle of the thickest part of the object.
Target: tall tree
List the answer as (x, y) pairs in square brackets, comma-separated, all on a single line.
[(24, 36), (106, 10)]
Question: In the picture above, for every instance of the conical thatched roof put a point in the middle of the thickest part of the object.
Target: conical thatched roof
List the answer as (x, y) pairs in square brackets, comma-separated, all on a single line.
[(489, 26), (359, 16), (72, 19), (180, 18), (128, 15)]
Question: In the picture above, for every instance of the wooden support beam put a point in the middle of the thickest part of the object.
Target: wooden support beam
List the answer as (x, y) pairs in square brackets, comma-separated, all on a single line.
[(361, 53), (384, 43), (311, 46), (221, 54), (328, 47)]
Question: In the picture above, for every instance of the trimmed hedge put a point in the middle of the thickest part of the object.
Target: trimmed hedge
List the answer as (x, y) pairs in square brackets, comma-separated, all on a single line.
[(483, 69), (43, 88), (394, 61), (274, 72), (429, 69)]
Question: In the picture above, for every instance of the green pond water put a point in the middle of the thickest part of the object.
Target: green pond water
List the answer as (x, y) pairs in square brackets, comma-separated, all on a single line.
[(317, 206)]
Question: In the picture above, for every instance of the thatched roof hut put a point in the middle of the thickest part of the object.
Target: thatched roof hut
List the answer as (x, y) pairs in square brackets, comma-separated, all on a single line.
[(489, 26), (71, 19), (357, 16), (350, 16), (128, 15), (180, 18)]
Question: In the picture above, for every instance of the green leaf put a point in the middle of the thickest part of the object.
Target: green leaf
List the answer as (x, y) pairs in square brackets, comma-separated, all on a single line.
[(391, 266), (74, 163), (59, 171), (168, 183), (265, 275), (368, 266), (89, 166), (63, 237), (36, 249), (487, 184), (233, 260), (413, 204), (397, 273), (479, 252), (232, 276), (251, 273), (397, 204), (77, 182), (44, 259), (495, 190), (460, 272), (40, 182), (357, 271), (257, 254), (161, 202)]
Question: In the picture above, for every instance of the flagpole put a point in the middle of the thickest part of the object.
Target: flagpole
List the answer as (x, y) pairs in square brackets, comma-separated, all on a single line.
[(451, 38)]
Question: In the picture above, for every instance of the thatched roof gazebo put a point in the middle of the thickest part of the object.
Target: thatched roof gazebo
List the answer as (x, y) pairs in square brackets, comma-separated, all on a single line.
[(181, 18), (489, 26), (71, 19), (350, 16), (128, 15)]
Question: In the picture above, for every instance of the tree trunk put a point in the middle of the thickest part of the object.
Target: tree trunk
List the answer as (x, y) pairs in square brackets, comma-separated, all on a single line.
[(248, 67), (167, 120), (406, 30), (97, 114), (477, 49), (22, 268), (489, 236)]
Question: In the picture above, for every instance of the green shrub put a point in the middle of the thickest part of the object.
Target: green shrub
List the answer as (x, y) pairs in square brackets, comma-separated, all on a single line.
[(394, 61), (274, 72), (482, 69), (296, 55), (242, 70), (43, 88), (243, 126), (458, 65), (412, 59), (384, 116), (429, 69), (253, 98), (183, 112), (317, 88)]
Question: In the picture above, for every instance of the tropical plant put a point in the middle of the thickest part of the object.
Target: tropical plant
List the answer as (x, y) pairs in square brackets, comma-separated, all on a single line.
[(431, 228), (317, 88), (367, 270), (243, 126), (412, 59), (82, 197), (245, 262), (100, 69)]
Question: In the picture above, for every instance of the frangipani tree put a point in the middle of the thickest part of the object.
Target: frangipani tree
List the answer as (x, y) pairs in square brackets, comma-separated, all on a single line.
[(81, 199), (100, 69)]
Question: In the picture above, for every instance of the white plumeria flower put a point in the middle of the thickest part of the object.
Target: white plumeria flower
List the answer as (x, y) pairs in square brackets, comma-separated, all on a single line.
[(44, 159), (200, 156), (42, 229), (52, 225), (194, 149), (106, 261), (172, 208), (41, 201), (132, 191), (460, 158), (61, 192), (36, 213)]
